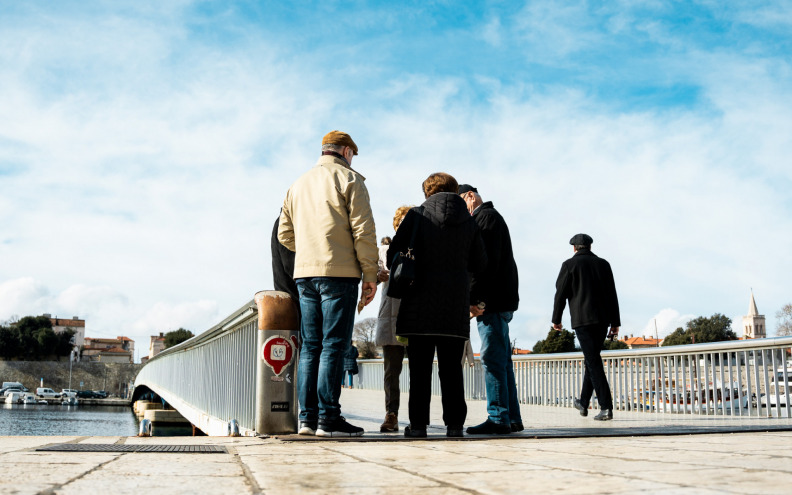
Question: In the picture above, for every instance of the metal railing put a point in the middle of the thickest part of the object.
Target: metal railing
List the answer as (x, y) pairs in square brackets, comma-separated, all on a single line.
[(747, 377), (211, 378)]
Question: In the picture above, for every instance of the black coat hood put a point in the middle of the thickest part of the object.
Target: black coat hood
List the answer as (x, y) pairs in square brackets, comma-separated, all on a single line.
[(446, 209)]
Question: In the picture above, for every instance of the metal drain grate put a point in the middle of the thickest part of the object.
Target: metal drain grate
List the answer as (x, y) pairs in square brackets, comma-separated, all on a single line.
[(92, 447)]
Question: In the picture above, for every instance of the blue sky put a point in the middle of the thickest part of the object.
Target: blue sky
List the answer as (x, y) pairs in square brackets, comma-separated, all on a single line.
[(145, 148)]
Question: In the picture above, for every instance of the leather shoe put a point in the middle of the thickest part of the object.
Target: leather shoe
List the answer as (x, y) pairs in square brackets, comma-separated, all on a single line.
[(604, 415), (411, 431), (391, 423), (454, 431), (517, 426), (583, 410), (489, 428)]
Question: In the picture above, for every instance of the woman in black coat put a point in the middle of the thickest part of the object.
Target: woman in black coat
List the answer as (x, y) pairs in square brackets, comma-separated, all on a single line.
[(435, 313)]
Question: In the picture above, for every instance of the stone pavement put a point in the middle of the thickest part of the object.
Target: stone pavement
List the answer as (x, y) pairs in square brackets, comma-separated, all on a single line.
[(754, 462)]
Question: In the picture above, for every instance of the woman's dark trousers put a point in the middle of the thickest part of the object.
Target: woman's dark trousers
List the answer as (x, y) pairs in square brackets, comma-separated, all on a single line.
[(420, 354)]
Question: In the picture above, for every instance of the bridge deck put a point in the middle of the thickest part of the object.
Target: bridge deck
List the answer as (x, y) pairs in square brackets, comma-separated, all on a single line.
[(751, 462)]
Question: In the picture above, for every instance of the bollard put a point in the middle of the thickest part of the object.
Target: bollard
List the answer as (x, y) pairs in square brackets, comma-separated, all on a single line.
[(276, 363)]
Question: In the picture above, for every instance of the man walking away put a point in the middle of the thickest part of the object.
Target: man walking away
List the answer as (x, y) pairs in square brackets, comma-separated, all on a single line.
[(327, 220), (496, 287), (586, 280)]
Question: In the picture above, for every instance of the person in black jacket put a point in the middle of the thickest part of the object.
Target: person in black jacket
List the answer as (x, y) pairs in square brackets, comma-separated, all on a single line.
[(434, 314), (496, 287), (283, 268), (586, 280)]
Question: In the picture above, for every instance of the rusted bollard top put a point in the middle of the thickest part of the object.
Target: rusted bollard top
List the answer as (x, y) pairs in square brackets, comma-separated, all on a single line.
[(276, 311)]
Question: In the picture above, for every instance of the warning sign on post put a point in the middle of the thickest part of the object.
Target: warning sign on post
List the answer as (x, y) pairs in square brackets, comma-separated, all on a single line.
[(277, 352)]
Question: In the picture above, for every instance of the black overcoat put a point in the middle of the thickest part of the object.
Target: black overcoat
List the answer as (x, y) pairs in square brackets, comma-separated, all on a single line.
[(586, 280), (447, 246), (498, 285)]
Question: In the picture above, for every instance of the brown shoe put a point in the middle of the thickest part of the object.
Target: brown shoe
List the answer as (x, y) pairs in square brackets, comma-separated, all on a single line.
[(391, 423)]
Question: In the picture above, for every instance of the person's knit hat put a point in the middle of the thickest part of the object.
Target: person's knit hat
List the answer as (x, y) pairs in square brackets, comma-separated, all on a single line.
[(467, 187), (581, 240), (341, 139)]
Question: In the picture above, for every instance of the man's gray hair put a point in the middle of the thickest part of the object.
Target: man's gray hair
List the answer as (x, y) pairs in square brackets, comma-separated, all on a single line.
[(578, 247), (333, 147)]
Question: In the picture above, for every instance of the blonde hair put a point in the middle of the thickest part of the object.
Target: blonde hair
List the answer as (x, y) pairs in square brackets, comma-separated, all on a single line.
[(401, 212)]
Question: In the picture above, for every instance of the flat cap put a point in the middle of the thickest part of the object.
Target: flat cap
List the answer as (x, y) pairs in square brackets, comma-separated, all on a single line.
[(581, 240), (341, 139), (463, 188)]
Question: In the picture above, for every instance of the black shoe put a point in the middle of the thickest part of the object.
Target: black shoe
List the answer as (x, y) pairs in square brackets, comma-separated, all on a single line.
[(604, 415), (337, 428), (517, 426), (411, 431), (307, 428), (454, 431), (580, 407), (489, 428)]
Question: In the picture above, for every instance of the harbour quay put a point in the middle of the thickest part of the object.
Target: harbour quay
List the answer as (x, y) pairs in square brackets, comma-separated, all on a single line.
[(559, 452)]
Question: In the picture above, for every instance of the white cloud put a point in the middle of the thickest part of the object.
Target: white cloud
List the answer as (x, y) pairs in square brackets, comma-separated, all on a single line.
[(667, 320), (22, 297), (148, 178), (191, 315)]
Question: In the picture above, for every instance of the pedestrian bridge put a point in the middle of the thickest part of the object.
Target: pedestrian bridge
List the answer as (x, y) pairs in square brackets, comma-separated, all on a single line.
[(215, 379)]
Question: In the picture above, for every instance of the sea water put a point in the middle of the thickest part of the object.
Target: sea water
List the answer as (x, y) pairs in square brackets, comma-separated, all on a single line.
[(59, 420)]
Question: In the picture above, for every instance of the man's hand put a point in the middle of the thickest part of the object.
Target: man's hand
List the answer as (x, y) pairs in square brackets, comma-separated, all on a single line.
[(476, 311), (383, 275), (557, 326), (369, 295), (614, 332)]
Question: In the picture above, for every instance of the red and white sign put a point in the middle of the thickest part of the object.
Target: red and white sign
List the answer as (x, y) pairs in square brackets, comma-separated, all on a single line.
[(277, 352)]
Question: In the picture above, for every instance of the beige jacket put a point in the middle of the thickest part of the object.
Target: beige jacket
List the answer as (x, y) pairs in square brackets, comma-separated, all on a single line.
[(327, 221)]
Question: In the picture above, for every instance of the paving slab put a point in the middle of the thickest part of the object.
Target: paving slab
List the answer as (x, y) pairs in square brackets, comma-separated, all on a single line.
[(560, 452)]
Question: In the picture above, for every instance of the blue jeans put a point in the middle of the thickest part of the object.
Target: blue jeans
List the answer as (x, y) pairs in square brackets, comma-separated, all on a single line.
[(502, 404), (328, 315)]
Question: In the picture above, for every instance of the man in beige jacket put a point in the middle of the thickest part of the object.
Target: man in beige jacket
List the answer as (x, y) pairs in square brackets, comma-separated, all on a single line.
[(327, 221)]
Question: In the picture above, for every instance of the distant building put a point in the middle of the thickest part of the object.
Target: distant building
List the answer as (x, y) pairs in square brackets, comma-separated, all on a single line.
[(118, 350), (60, 325), (753, 322), (156, 345), (641, 342)]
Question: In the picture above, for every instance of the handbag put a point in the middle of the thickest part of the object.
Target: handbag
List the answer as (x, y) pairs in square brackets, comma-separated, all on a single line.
[(402, 273)]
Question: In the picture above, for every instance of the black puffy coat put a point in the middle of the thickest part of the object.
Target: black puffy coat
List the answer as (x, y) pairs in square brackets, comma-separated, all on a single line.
[(586, 280), (447, 246), (497, 286)]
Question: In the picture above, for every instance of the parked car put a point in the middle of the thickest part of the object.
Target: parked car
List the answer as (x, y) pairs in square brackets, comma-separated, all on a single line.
[(100, 394), (11, 390), (14, 384), (86, 394), (68, 392), (47, 393)]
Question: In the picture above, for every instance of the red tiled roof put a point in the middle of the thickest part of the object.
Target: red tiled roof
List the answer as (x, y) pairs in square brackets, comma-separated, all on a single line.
[(641, 341), (115, 349)]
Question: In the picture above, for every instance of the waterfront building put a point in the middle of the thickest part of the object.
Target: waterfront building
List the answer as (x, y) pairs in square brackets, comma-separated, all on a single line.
[(156, 345), (118, 350), (753, 322), (75, 324), (641, 342)]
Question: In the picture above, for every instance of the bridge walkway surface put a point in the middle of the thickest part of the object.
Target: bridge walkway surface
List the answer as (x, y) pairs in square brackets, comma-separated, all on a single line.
[(560, 452)]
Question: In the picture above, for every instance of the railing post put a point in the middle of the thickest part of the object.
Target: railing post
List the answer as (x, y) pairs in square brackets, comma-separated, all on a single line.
[(277, 354)]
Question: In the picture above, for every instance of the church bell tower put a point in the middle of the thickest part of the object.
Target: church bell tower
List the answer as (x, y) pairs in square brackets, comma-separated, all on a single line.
[(753, 322)]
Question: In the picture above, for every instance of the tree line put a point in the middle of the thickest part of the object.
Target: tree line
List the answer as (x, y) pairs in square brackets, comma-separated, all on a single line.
[(699, 330), (32, 339)]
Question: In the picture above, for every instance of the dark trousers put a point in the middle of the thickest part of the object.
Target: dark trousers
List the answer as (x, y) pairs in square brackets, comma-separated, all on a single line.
[(393, 358), (591, 338), (420, 355)]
